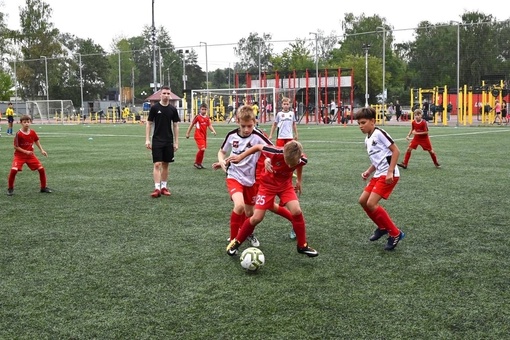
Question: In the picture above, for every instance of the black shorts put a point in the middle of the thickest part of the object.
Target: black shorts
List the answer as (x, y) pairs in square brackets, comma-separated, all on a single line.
[(10, 119), (163, 153)]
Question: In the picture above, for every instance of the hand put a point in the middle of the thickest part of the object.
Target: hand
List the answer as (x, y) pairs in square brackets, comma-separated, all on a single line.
[(408, 138), (216, 166), (45, 154), (187, 135), (298, 189), (233, 159), (267, 165), (214, 133), (176, 147), (148, 145), (389, 178), (365, 175)]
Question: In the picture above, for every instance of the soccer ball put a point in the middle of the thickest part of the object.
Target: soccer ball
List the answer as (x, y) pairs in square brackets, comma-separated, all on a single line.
[(252, 259)]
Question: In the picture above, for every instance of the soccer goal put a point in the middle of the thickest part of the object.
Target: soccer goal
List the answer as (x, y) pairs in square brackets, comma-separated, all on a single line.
[(222, 103), (52, 111)]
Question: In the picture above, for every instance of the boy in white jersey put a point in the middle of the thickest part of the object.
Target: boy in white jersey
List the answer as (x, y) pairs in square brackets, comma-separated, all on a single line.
[(383, 154), (285, 121), (241, 177)]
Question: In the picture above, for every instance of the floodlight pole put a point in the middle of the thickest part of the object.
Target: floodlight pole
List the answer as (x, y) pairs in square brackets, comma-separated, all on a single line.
[(206, 69), (316, 79), (155, 77), (383, 72), (458, 71), (47, 87), (366, 47)]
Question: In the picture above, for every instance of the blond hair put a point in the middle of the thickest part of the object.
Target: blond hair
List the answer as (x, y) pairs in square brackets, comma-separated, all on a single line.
[(292, 152), (245, 113)]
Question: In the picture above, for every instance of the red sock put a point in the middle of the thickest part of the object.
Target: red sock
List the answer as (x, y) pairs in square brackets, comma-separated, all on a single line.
[(434, 158), (42, 177), (371, 214), (246, 230), (406, 157), (284, 212), (384, 222), (12, 177), (298, 223), (199, 158), (236, 221)]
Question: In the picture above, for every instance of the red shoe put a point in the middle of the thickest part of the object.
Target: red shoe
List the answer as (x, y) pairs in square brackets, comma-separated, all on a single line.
[(165, 192), (156, 193)]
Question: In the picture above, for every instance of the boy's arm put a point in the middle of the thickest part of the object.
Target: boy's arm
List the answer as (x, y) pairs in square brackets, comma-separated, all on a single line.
[(189, 128), (294, 127), (246, 153), (299, 180), (394, 159), (367, 172), (221, 161), (176, 135), (38, 143), (212, 129), (148, 125), (273, 127)]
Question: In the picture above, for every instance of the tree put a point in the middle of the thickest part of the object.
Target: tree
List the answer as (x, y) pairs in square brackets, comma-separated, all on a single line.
[(37, 37), (254, 52)]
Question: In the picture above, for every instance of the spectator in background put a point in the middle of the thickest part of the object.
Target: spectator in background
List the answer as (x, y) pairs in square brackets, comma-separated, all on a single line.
[(398, 110)]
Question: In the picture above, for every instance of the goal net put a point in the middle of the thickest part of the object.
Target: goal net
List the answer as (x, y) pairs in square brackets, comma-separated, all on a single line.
[(222, 103), (52, 111)]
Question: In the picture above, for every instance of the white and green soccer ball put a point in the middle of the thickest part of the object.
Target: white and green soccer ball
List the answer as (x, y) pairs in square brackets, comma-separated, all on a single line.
[(252, 259)]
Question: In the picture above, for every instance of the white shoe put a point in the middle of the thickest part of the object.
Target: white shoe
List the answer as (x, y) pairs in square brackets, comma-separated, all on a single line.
[(253, 240)]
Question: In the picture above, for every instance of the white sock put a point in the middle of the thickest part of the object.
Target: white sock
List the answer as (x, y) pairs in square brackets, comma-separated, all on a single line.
[(163, 184), (157, 185)]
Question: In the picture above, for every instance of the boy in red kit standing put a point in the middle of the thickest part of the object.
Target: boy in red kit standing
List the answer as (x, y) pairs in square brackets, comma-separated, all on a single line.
[(24, 141), (383, 154), (420, 132), (201, 122), (276, 182)]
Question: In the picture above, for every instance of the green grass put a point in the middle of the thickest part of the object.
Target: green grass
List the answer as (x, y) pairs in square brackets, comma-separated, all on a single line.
[(100, 259)]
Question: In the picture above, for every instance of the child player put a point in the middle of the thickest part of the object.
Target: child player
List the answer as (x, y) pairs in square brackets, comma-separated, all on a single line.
[(241, 178), (286, 130), (420, 132), (201, 122), (383, 154), (276, 182), (24, 141)]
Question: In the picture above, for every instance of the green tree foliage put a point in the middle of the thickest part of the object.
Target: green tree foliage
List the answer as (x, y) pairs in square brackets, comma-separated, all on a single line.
[(37, 37), (253, 49)]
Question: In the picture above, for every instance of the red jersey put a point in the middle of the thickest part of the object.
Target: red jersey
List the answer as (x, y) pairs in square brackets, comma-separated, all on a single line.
[(281, 177), (420, 127), (25, 140), (201, 124)]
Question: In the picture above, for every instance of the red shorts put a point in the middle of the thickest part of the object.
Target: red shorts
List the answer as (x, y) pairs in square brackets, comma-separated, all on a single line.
[(30, 160), (379, 186), (249, 193), (424, 143), (201, 143), (265, 197), (282, 142)]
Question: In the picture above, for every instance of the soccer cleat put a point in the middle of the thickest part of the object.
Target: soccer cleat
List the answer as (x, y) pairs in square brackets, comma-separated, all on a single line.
[(393, 241), (233, 247), (156, 193), (378, 233), (201, 166), (10, 192), (308, 251), (402, 165), (198, 166), (292, 235), (165, 192), (438, 166), (253, 240), (46, 190)]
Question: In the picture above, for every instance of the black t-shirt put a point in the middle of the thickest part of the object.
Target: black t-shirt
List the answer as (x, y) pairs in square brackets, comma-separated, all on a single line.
[(163, 118)]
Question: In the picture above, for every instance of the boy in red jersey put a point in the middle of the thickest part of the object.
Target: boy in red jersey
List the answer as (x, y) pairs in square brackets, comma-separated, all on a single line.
[(420, 130), (201, 122), (383, 154), (24, 141), (276, 182)]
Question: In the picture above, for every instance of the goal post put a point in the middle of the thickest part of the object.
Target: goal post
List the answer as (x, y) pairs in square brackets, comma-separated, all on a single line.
[(52, 111), (222, 103)]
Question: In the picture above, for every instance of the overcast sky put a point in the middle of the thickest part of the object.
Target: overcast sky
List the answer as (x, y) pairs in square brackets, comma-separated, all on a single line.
[(222, 23)]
